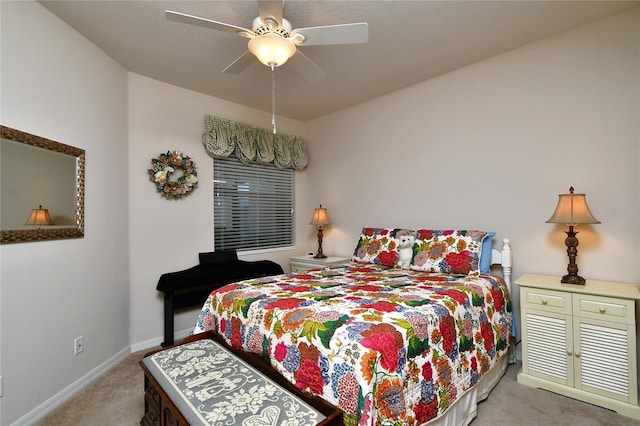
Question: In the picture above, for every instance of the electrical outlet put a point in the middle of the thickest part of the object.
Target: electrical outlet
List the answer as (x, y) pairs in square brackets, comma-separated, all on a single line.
[(78, 345)]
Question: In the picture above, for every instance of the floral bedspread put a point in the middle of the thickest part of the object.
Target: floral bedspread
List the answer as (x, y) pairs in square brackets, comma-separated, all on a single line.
[(388, 346)]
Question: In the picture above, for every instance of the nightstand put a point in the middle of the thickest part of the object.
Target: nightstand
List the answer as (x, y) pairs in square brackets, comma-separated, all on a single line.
[(303, 263), (580, 340)]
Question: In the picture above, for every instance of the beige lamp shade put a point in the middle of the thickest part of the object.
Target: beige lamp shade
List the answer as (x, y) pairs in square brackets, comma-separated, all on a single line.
[(39, 217), (572, 209), (320, 217)]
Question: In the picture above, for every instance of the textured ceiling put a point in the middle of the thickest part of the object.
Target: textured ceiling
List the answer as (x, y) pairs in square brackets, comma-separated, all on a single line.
[(409, 41)]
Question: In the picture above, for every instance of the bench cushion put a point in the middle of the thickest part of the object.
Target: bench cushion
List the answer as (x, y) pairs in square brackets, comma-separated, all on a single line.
[(209, 385), (217, 272)]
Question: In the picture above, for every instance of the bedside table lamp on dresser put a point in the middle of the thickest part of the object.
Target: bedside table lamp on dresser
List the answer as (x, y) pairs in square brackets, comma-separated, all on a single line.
[(320, 218), (580, 340), (572, 210)]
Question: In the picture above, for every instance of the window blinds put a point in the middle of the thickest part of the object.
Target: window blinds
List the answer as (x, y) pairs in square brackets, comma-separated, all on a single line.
[(253, 205)]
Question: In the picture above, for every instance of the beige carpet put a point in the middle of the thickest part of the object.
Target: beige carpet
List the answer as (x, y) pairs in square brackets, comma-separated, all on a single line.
[(117, 398), (511, 403)]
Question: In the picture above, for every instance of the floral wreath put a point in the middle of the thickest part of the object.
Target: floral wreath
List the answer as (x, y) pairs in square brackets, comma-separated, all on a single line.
[(164, 165)]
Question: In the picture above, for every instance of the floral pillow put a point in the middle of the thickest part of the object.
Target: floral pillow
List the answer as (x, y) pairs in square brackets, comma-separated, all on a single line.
[(449, 251), (381, 246)]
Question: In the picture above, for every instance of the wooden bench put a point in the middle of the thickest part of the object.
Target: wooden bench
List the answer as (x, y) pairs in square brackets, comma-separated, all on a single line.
[(193, 382)]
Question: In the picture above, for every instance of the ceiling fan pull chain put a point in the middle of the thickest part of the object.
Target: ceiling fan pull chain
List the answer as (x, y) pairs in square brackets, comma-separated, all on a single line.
[(273, 96)]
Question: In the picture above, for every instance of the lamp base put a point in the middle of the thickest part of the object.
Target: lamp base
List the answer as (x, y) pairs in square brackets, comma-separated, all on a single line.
[(320, 254), (573, 279), (572, 251)]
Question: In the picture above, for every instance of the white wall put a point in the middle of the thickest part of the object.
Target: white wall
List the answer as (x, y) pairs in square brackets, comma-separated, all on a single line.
[(57, 85), (531, 122), (491, 146), (167, 235)]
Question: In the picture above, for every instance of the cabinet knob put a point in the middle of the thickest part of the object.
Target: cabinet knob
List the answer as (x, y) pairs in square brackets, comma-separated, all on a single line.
[(602, 309), (569, 353), (577, 354), (544, 301)]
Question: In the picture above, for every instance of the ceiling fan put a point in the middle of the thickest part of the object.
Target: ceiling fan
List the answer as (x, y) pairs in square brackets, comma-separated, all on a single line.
[(273, 41)]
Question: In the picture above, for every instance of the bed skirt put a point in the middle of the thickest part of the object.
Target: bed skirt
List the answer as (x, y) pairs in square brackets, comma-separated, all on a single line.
[(465, 409)]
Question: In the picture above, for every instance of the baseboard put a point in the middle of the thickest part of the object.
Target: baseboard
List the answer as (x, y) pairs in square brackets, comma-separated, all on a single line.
[(157, 341), (58, 399), (61, 397)]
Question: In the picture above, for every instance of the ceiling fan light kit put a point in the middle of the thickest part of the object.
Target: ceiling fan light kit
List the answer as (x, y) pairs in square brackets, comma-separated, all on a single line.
[(271, 49), (273, 41)]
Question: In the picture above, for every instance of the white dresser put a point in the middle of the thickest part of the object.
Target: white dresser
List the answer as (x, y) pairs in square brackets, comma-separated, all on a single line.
[(580, 340)]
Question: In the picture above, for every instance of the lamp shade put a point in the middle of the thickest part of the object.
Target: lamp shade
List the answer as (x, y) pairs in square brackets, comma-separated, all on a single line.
[(272, 49), (320, 217), (572, 209), (40, 217)]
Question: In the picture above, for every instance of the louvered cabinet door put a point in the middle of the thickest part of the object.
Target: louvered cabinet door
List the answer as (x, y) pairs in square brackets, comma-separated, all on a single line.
[(546, 349), (605, 347), (547, 338)]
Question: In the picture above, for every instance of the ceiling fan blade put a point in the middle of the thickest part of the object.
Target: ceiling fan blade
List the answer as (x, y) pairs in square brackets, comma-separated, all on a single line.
[(271, 9), (310, 71), (240, 64), (206, 23), (333, 34)]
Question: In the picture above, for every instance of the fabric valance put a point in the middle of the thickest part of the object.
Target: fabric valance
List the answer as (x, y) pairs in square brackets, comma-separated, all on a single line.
[(222, 138)]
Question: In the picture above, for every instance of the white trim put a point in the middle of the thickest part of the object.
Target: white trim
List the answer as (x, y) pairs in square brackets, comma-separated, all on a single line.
[(156, 341), (263, 251), (65, 394)]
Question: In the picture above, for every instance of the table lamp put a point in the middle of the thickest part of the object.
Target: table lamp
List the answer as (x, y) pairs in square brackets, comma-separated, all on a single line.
[(572, 210), (319, 219)]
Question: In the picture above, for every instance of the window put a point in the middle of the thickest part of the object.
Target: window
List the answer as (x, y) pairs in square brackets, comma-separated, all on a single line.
[(252, 205)]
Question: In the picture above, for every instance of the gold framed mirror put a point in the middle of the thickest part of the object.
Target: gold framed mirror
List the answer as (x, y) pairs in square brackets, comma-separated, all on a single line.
[(38, 175)]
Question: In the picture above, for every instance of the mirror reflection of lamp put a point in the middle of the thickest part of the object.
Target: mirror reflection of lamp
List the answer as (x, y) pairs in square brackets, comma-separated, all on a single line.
[(39, 217), (320, 218)]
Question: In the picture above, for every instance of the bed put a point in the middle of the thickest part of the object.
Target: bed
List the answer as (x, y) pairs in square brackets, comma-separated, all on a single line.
[(416, 329)]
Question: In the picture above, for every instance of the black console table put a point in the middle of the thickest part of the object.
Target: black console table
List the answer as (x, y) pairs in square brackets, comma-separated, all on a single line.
[(192, 286)]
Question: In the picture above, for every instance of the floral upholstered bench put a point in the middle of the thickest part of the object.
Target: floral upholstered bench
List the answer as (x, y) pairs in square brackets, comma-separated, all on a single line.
[(203, 382)]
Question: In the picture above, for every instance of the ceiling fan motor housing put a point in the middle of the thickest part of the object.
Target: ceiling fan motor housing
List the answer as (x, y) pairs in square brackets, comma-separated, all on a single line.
[(260, 28)]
